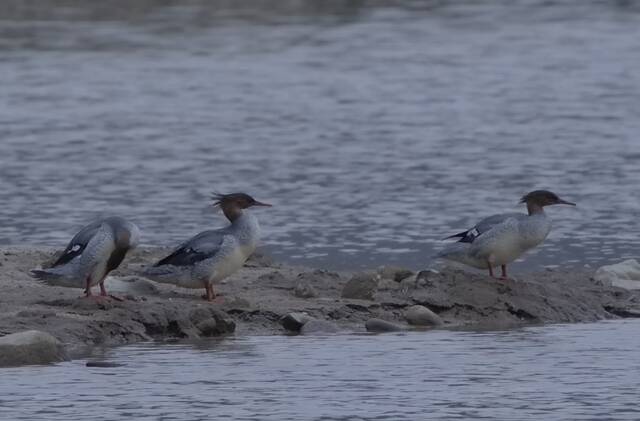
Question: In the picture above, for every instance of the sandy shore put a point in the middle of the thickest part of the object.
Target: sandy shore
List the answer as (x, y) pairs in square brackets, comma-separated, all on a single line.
[(255, 300)]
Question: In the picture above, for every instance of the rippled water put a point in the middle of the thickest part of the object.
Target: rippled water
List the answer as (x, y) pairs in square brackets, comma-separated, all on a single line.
[(576, 372), (376, 128)]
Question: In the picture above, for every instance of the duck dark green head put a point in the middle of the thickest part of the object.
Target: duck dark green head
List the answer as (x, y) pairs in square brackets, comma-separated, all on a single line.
[(232, 204), (543, 198), (240, 200), (538, 199)]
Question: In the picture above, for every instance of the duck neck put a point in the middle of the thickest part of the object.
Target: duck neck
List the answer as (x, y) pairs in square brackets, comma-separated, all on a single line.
[(246, 228), (534, 209), (231, 211)]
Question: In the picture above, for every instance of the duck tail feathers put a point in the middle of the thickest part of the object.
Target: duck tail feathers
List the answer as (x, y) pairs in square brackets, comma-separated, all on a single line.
[(167, 274), (44, 275), (458, 235), (55, 277)]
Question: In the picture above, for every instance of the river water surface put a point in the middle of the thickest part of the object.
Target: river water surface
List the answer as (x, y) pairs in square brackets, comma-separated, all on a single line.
[(561, 372), (375, 128)]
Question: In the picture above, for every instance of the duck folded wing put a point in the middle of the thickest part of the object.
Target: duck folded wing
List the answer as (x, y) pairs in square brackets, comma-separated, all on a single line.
[(78, 243), (500, 238), (72, 271), (201, 247), (484, 226)]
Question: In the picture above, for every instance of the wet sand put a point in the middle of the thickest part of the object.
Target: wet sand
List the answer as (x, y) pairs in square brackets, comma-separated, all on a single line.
[(255, 300)]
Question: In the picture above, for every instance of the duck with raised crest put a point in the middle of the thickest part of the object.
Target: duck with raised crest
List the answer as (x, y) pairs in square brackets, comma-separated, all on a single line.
[(211, 256), (500, 239)]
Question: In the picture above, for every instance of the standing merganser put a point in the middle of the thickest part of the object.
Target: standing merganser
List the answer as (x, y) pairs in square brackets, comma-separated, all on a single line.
[(93, 252), (501, 239), (212, 255)]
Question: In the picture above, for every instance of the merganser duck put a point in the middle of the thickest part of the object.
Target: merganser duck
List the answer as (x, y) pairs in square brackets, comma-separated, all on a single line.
[(213, 255), (500, 239), (92, 253)]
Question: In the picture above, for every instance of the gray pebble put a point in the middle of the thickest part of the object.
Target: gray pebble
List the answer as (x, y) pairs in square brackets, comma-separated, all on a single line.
[(379, 325), (421, 316)]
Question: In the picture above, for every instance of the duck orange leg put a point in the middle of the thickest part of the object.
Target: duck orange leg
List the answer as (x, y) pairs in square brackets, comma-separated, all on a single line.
[(103, 290), (87, 289), (88, 294), (210, 295)]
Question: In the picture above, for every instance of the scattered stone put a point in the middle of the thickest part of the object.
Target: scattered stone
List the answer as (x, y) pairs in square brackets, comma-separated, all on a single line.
[(340, 313), (295, 321), (388, 285), (185, 324), (321, 279), (394, 272), (359, 307), (425, 278), (319, 327), (408, 284), (421, 316), (304, 290), (625, 274), (30, 347), (224, 324), (208, 327), (624, 312), (199, 314), (361, 286), (379, 326)]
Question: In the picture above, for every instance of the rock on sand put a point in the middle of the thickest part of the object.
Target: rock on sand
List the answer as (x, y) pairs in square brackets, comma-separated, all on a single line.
[(304, 289), (379, 326), (395, 273), (295, 321), (30, 347), (319, 327), (421, 316), (361, 286), (625, 274)]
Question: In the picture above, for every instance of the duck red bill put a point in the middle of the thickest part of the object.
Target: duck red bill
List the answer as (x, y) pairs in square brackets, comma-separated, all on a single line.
[(256, 203)]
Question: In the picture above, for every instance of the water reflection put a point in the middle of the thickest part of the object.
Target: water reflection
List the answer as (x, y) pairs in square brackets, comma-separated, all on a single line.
[(554, 372)]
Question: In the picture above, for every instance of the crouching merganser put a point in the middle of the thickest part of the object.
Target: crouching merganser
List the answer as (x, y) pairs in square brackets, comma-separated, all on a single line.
[(92, 253)]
